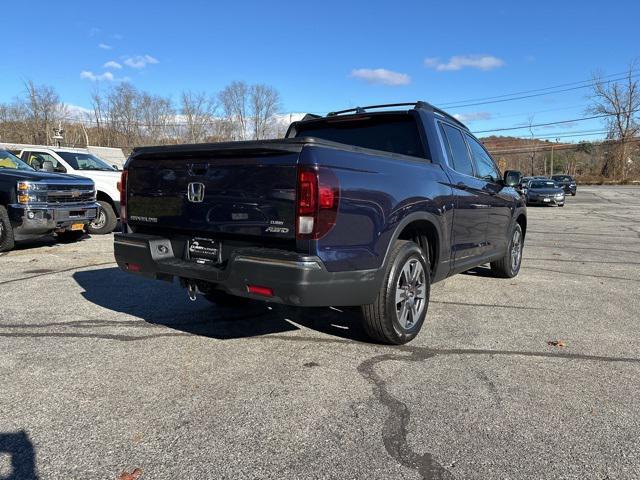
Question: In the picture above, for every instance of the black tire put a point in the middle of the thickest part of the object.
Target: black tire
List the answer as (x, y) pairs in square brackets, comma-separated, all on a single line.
[(7, 240), (223, 299), (105, 222), (381, 320), (70, 236), (507, 267), (561, 205), (573, 194)]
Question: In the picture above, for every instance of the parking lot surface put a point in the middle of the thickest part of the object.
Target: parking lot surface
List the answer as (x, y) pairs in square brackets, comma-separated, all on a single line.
[(102, 372)]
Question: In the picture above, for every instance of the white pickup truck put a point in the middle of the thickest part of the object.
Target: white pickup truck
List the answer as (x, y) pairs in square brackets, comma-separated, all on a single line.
[(78, 161)]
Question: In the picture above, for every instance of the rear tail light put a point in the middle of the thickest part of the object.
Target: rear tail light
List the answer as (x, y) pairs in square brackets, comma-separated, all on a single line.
[(122, 187), (316, 203), (257, 290)]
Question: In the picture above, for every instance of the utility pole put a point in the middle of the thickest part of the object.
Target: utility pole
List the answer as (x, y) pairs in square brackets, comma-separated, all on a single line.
[(557, 140)]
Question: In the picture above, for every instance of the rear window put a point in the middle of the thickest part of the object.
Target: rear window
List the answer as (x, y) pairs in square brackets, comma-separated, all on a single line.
[(561, 178), (395, 134), (543, 184)]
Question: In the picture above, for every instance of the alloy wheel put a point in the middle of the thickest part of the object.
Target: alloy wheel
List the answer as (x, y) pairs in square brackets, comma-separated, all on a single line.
[(516, 250), (410, 294)]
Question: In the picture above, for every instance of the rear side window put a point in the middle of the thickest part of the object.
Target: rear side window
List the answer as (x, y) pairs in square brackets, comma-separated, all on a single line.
[(485, 167), (458, 151), (395, 134)]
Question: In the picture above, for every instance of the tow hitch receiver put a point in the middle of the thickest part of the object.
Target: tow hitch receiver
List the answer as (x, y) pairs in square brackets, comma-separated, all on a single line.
[(192, 291)]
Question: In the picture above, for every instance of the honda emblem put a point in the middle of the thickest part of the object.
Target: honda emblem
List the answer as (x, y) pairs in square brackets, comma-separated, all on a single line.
[(195, 192)]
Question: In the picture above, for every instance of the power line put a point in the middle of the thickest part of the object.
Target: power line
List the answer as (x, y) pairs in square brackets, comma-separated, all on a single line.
[(559, 122), (563, 146), (532, 95), (523, 92)]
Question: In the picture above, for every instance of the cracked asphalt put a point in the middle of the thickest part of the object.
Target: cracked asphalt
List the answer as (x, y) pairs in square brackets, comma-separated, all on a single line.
[(102, 372)]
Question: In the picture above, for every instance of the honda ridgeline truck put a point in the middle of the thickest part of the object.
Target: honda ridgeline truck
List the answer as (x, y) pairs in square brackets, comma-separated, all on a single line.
[(35, 203), (364, 207)]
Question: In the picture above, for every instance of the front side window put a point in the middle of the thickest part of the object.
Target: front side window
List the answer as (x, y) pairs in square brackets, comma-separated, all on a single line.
[(486, 169), (37, 159), (85, 161), (458, 151), (9, 160)]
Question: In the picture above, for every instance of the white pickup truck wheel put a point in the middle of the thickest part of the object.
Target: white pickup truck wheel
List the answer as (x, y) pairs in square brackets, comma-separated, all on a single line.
[(105, 222)]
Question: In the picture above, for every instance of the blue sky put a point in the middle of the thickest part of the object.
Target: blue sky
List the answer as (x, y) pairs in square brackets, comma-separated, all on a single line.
[(328, 55)]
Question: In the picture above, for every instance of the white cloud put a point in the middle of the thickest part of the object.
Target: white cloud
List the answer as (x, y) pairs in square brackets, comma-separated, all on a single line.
[(77, 112), (381, 76), (458, 62), (104, 46), (113, 65), (472, 116), (140, 61), (88, 75)]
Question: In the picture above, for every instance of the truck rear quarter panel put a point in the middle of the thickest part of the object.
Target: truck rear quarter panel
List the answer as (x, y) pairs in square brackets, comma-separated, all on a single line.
[(378, 194)]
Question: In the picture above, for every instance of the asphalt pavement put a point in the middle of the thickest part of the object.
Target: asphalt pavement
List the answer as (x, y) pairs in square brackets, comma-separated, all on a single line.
[(534, 377)]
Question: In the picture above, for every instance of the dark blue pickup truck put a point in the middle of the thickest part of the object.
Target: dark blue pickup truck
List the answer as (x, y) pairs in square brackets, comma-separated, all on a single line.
[(362, 207)]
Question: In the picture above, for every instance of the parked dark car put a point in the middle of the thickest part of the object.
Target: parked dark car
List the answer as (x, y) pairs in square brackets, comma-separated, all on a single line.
[(523, 182), (544, 192), (37, 203), (567, 183), (361, 207)]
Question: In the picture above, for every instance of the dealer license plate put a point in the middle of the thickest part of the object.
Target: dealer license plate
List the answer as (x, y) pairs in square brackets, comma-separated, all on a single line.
[(205, 250)]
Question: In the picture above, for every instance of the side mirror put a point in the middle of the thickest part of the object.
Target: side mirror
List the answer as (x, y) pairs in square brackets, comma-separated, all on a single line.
[(512, 178), (47, 166), (115, 166)]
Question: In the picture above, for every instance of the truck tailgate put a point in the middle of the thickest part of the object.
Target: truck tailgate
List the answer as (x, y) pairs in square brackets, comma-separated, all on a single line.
[(247, 190)]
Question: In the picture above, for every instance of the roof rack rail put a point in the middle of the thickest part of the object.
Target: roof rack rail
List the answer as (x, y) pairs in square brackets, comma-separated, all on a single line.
[(419, 104)]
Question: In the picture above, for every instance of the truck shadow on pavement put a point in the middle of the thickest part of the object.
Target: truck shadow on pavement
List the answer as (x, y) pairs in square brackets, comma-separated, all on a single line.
[(165, 304), (23, 458)]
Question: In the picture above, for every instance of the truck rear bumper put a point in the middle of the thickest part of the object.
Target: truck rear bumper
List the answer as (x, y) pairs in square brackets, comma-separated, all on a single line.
[(294, 279), (28, 220)]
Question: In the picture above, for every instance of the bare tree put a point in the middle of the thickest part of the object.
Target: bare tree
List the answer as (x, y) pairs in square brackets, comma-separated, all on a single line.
[(123, 116), (42, 110), (234, 99), (198, 111), (534, 148), (157, 118), (99, 110), (123, 113), (265, 104), (620, 102)]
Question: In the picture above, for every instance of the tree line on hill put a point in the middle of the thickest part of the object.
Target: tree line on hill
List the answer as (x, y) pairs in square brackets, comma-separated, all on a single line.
[(125, 116)]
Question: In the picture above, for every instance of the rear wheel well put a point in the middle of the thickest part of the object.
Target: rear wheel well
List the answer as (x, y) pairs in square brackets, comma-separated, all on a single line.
[(425, 235), (522, 221)]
